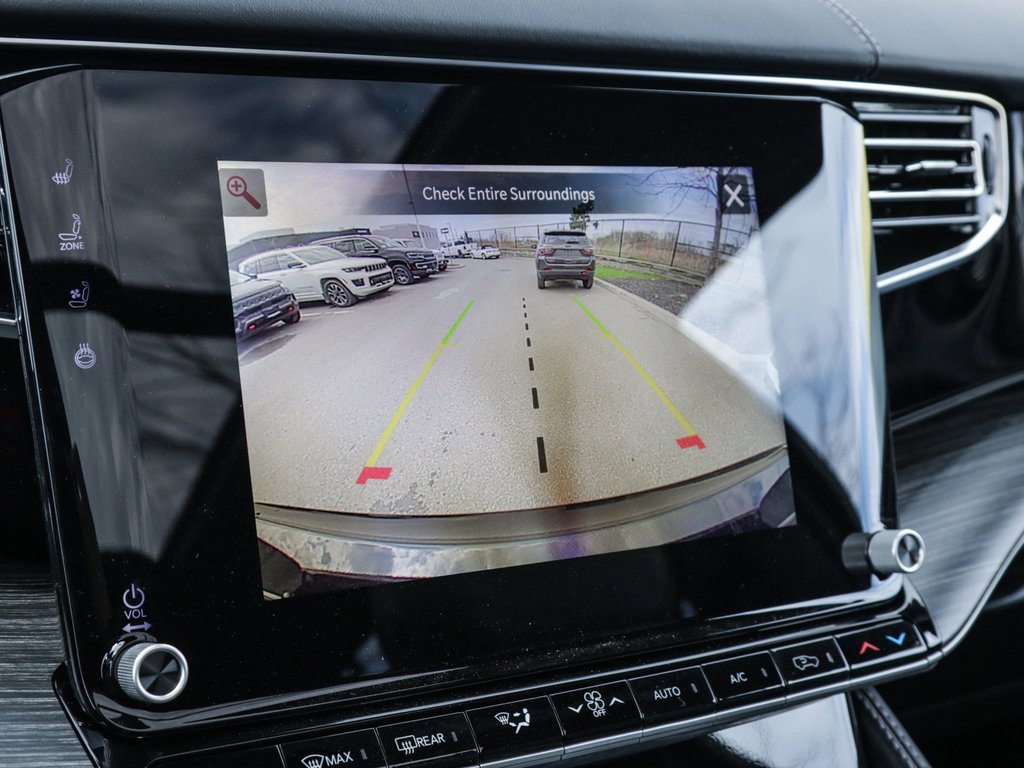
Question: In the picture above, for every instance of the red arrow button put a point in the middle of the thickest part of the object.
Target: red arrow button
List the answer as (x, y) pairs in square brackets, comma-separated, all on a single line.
[(866, 646)]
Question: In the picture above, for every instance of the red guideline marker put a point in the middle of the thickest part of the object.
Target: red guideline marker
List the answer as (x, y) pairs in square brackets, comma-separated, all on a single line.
[(691, 441), (373, 473)]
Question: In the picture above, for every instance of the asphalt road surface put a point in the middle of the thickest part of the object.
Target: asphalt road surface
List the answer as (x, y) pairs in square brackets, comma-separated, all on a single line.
[(473, 391)]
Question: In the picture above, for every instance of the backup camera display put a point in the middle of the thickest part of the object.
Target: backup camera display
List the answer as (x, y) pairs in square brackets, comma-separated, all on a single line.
[(447, 369)]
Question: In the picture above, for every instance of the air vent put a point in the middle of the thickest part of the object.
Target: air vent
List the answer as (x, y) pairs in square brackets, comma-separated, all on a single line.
[(936, 182)]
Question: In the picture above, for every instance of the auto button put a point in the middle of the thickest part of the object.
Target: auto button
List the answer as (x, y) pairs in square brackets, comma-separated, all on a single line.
[(672, 696)]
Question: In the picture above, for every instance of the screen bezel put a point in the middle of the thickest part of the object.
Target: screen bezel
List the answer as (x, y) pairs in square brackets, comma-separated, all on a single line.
[(703, 581)]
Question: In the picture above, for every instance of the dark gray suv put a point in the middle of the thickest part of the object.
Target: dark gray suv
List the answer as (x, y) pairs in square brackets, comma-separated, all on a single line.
[(565, 255)]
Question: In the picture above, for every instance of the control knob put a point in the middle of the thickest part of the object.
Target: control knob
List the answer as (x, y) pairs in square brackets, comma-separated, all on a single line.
[(885, 552), (154, 673)]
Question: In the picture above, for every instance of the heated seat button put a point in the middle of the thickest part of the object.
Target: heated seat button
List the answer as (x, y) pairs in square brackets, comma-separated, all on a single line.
[(877, 644), (600, 710), (744, 679), (359, 749), (514, 729), (672, 696), (444, 740), (810, 663)]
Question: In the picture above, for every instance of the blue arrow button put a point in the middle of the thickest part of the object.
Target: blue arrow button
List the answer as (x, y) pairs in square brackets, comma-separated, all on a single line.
[(897, 640)]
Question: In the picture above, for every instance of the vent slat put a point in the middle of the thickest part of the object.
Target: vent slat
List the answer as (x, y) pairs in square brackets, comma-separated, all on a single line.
[(926, 179)]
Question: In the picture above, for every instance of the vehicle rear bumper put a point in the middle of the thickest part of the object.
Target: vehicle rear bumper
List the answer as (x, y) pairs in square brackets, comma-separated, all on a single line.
[(565, 271), (254, 322)]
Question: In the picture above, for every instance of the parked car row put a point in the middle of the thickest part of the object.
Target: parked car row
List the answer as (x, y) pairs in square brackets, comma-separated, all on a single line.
[(462, 249), (266, 288)]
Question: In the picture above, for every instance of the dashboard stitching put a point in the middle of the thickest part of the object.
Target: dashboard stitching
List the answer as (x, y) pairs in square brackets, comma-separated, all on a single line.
[(860, 29)]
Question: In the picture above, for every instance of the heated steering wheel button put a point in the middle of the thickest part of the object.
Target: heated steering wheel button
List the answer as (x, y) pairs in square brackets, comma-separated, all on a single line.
[(817, 662), (355, 750), (744, 679)]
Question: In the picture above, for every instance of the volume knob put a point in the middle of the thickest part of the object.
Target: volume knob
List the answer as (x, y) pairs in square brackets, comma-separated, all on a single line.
[(154, 673)]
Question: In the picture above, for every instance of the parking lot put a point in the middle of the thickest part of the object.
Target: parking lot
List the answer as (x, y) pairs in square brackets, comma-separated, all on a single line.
[(473, 391)]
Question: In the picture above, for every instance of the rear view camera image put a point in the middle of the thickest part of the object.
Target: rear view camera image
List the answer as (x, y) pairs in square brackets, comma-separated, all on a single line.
[(447, 369)]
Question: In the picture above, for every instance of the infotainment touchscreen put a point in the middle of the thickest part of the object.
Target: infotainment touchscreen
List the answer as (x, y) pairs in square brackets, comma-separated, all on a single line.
[(495, 376), (449, 368)]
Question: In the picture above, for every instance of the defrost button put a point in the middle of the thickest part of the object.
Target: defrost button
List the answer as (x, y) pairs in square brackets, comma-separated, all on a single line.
[(516, 728), (445, 740), (359, 749)]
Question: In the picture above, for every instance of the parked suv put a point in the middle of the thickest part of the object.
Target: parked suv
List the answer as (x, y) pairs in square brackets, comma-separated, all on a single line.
[(565, 255), (406, 263), (442, 259), (318, 272), (259, 304)]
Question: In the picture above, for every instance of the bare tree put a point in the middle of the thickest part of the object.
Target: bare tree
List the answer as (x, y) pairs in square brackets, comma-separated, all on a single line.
[(702, 184)]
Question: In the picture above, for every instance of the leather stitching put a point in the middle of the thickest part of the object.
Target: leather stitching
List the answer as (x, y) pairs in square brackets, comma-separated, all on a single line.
[(893, 730), (883, 710), (860, 29)]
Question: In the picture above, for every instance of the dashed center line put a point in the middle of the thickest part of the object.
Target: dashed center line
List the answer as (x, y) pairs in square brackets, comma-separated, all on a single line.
[(542, 456)]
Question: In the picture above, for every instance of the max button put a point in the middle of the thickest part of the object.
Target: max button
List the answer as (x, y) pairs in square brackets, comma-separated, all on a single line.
[(355, 750)]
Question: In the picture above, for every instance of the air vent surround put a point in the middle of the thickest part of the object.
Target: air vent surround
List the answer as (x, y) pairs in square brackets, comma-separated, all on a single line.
[(938, 183)]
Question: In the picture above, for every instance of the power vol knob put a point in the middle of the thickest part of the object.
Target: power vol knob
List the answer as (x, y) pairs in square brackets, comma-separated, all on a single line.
[(884, 552), (154, 673)]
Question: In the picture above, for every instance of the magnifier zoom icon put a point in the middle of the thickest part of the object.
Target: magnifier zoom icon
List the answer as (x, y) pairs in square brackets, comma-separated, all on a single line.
[(237, 187)]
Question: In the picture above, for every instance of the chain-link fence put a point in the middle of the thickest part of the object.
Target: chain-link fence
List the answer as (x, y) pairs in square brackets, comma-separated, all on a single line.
[(690, 250)]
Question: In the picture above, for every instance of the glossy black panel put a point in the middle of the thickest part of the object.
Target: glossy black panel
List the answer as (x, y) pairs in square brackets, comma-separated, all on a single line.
[(147, 450)]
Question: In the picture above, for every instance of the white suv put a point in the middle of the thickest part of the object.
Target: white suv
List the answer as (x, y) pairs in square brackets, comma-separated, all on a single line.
[(319, 272)]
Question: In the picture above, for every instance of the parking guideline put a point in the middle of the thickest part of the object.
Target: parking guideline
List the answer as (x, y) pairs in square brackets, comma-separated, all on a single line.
[(691, 439), (371, 471)]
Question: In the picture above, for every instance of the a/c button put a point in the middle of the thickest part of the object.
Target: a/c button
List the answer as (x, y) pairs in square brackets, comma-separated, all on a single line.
[(746, 678)]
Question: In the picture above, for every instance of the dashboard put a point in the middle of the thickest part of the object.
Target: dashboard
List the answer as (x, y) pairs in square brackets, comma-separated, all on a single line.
[(407, 385)]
